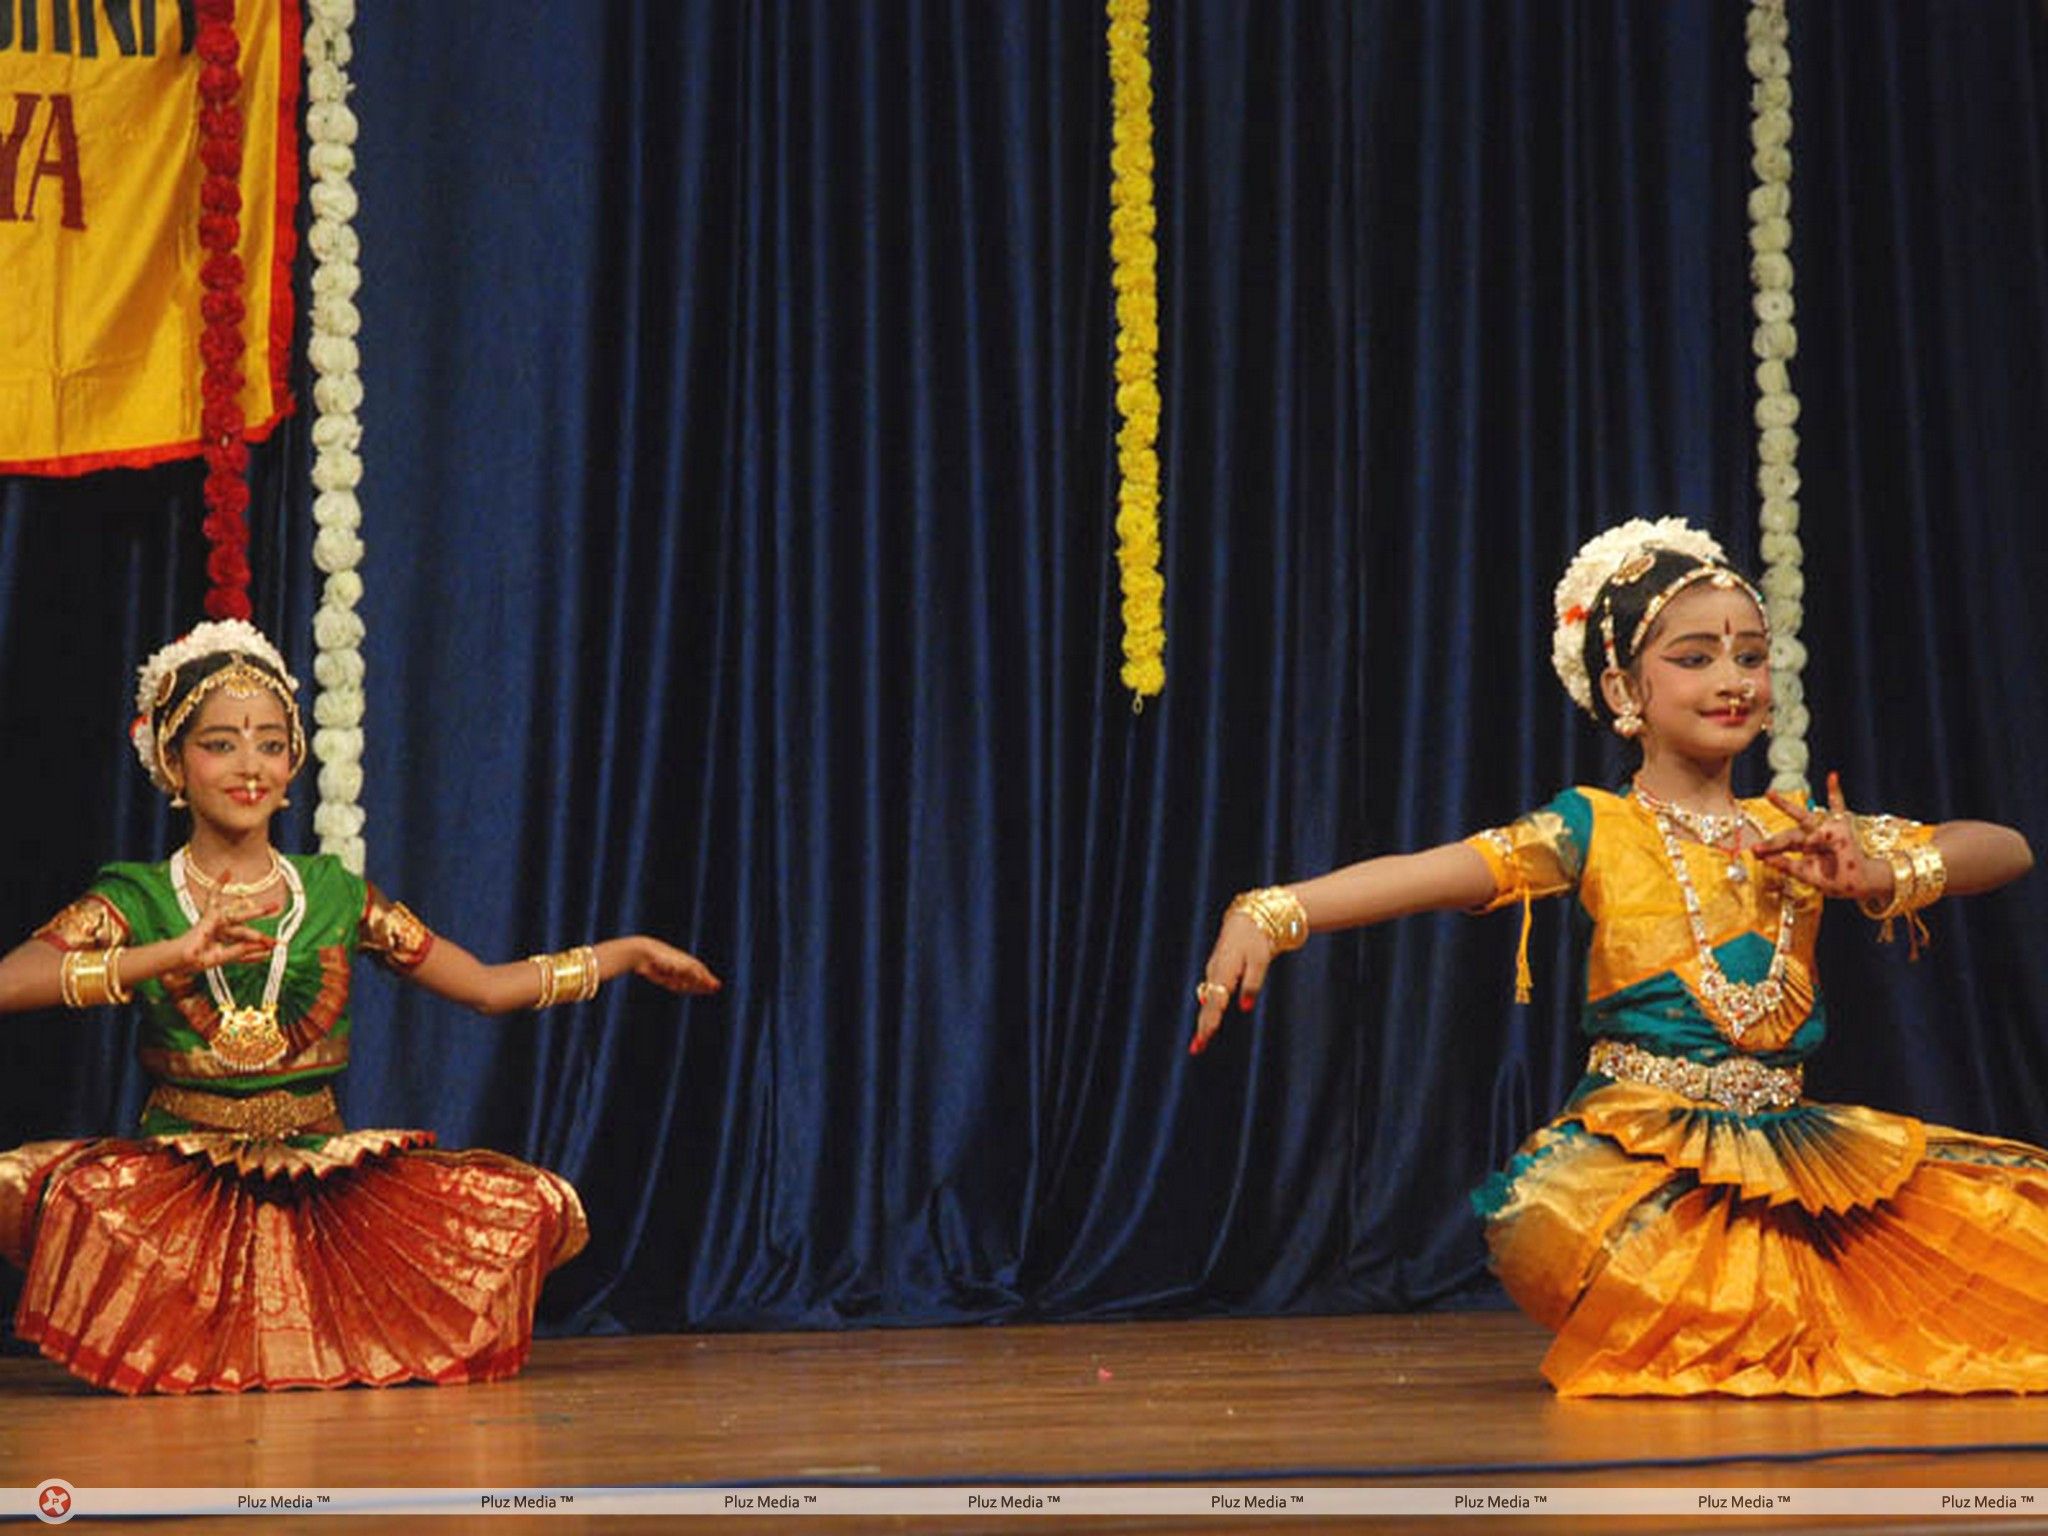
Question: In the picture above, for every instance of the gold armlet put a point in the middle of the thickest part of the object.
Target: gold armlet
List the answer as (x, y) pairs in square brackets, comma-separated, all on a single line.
[(569, 977), (91, 978), (1278, 914)]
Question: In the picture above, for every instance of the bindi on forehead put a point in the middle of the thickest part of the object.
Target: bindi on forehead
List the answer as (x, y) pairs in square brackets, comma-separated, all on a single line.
[(1708, 610), (252, 712)]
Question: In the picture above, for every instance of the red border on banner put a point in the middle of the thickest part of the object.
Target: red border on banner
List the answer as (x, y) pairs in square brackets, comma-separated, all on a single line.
[(285, 248)]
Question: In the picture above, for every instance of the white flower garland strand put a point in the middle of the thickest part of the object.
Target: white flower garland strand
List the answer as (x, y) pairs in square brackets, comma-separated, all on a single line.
[(1775, 343), (337, 432)]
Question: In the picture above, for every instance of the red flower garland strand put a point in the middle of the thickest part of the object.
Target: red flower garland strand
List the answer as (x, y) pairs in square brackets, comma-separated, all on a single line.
[(222, 309)]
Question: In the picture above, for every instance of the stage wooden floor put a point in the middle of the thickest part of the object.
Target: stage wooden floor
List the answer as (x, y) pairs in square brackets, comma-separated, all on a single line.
[(1407, 1399)]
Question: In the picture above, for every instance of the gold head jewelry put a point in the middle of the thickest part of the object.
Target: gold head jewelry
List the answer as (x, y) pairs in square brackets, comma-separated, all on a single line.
[(1584, 595), (239, 679), (1714, 575)]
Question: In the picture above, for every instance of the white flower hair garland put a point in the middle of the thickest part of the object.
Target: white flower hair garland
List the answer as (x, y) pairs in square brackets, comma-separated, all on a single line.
[(337, 433), (1599, 558), (1775, 342)]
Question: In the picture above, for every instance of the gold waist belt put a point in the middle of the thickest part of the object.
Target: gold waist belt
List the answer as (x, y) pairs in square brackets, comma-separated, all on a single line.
[(277, 1113), (1740, 1083)]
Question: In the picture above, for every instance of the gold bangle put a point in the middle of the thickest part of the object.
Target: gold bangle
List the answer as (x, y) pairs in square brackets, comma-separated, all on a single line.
[(576, 973), (1905, 881), (1932, 869), (572, 976), (1919, 876), (1278, 913), (568, 968), (545, 964), (116, 991), (82, 978)]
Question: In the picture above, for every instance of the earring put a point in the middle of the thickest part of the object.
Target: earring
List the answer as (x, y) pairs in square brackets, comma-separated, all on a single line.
[(177, 800), (284, 802), (1628, 721)]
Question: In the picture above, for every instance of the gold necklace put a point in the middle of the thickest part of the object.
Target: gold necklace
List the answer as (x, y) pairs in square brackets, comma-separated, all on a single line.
[(248, 1038), (1738, 1004), (232, 888), (1718, 830)]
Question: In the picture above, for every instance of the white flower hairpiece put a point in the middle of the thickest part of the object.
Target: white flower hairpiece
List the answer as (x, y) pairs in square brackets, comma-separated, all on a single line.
[(1597, 560), (216, 637)]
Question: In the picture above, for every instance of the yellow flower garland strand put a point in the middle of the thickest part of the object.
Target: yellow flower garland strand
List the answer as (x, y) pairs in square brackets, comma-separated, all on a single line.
[(1135, 275), (1775, 343)]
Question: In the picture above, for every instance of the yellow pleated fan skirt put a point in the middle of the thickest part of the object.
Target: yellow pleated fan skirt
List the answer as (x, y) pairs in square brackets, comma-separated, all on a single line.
[(1677, 1249), (215, 1263)]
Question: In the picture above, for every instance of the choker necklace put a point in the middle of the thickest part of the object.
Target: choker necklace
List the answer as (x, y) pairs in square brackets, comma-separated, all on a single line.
[(1720, 831), (248, 1038), (231, 888)]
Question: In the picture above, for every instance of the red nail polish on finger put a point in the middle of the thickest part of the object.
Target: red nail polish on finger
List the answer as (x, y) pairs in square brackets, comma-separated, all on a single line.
[(1245, 1004)]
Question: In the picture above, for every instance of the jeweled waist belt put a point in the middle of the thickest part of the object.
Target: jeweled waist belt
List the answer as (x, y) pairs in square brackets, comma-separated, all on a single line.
[(277, 1113), (1740, 1083)]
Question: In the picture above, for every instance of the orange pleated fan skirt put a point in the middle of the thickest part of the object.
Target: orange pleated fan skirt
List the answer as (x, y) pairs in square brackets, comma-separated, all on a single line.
[(208, 1263), (1678, 1249)]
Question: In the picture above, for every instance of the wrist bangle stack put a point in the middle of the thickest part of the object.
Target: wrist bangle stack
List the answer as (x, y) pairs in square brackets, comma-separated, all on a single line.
[(1279, 914), (91, 978), (569, 977), (1919, 876)]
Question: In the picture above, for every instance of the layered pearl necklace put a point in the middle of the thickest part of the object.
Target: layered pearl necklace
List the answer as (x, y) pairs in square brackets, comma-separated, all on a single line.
[(1737, 1004), (249, 1038)]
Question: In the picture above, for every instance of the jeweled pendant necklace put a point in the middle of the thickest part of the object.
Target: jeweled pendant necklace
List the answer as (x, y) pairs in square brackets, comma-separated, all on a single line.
[(1720, 831), (1738, 1004), (249, 1038)]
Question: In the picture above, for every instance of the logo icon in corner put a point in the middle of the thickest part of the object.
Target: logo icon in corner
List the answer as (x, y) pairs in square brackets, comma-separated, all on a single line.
[(54, 1501)]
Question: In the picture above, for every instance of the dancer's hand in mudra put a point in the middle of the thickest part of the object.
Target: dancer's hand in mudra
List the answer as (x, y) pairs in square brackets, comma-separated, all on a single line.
[(220, 937), (1236, 968), (1822, 850), (676, 969)]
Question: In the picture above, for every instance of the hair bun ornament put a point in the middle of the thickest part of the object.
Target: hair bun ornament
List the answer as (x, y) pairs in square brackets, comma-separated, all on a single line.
[(156, 676), (1598, 559)]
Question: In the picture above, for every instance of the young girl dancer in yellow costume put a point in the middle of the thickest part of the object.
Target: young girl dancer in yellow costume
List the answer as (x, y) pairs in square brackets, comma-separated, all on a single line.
[(1690, 1222)]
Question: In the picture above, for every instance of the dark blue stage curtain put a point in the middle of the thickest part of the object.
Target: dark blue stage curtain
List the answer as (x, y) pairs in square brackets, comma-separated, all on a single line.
[(741, 570)]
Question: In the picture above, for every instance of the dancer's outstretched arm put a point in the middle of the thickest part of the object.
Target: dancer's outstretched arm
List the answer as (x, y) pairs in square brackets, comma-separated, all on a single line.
[(31, 973), (1822, 851), (1452, 876), (448, 970)]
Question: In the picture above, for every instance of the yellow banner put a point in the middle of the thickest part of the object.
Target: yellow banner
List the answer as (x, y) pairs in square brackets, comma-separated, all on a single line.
[(99, 228)]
